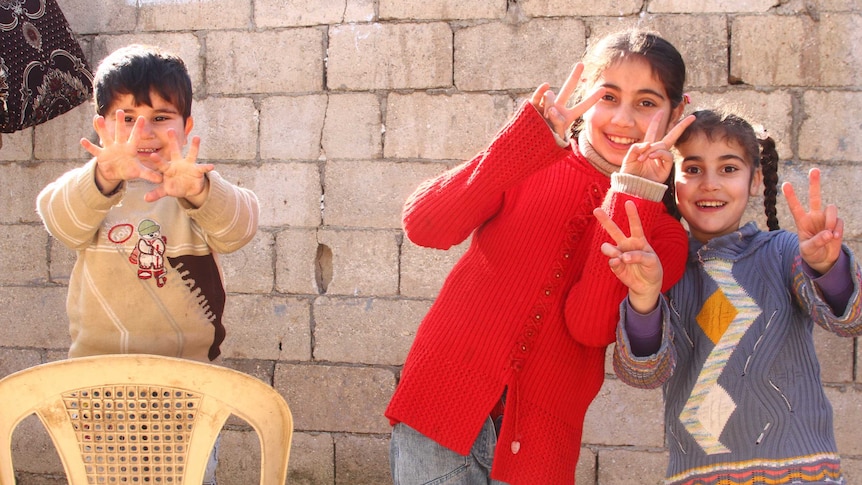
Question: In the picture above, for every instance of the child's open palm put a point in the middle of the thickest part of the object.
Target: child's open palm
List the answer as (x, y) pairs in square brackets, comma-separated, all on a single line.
[(182, 176), (554, 108), (117, 157), (633, 260), (820, 230)]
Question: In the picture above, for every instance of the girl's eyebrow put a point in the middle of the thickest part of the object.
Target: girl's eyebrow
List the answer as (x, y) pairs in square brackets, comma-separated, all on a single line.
[(643, 91)]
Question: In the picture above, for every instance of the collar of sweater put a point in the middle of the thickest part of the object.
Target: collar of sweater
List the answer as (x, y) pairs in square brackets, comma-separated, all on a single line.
[(593, 156)]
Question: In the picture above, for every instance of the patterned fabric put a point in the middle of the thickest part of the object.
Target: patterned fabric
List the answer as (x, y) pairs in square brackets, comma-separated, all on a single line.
[(768, 420), (43, 72)]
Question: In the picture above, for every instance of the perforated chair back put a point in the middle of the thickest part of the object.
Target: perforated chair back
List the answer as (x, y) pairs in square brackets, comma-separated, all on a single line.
[(142, 419)]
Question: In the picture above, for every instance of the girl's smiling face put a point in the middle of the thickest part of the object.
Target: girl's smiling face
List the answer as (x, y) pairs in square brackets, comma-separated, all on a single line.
[(713, 182), (620, 119)]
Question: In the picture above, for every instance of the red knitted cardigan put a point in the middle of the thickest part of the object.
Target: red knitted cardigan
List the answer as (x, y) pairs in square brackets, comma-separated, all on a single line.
[(531, 305)]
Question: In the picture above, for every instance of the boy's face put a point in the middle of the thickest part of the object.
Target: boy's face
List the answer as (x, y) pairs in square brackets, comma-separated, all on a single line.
[(158, 119)]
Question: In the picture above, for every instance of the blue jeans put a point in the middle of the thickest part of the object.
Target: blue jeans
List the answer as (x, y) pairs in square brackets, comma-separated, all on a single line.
[(418, 460)]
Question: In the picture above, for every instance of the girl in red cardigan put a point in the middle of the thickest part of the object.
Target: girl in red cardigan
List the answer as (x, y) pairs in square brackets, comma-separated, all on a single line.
[(521, 324)]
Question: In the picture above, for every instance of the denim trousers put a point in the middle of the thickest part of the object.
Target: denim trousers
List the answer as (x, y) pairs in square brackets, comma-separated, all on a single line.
[(418, 460), (212, 463)]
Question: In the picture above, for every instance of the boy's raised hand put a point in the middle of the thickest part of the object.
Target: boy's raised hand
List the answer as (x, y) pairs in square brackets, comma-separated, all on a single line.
[(553, 108), (182, 176), (117, 157), (633, 260), (820, 230), (651, 158)]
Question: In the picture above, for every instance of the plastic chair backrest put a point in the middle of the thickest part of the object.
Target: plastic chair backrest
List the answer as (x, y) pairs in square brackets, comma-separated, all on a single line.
[(135, 418)]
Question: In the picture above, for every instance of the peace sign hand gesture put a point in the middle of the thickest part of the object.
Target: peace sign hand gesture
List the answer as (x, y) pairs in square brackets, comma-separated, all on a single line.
[(633, 260), (553, 108), (820, 230), (652, 159)]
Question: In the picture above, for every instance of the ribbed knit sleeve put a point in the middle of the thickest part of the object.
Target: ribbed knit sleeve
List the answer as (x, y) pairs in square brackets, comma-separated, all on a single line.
[(72, 207), (445, 210), (849, 323), (228, 217), (647, 372), (593, 303)]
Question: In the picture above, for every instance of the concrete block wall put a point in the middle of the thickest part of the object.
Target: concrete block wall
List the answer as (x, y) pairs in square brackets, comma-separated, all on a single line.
[(332, 111)]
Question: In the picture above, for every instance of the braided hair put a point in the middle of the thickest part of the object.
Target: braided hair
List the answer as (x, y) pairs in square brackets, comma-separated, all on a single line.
[(759, 150)]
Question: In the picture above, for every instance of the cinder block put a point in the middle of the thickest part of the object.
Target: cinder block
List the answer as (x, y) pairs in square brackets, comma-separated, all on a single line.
[(846, 407), (32, 449), (851, 467), (296, 261), (835, 355), (288, 193), (16, 146), (227, 127), (336, 398), (353, 127), (250, 269), (389, 56), (371, 193), (579, 8), (361, 459), (625, 467), (214, 14), (13, 360), (22, 255), (311, 459), (771, 110), (185, 45), (623, 415), (442, 10), (423, 270), (267, 327), (710, 6), (367, 330), (364, 262), (20, 310), (290, 128), (296, 13), (793, 56), (839, 56), (21, 185), (111, 16), (510, 62), (585, 472), (440, 126), (60, 138), (825, 136), (292, 61)]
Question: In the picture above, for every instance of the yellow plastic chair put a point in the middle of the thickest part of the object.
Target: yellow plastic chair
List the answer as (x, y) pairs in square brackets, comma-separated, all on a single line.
[(141, 418)]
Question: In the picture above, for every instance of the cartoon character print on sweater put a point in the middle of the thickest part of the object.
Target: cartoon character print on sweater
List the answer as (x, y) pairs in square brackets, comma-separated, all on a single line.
[(149, 252), (199, 274)]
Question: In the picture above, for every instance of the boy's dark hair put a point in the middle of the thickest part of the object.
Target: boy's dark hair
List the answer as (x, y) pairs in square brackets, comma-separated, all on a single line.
[(138, 69), (722, 124)]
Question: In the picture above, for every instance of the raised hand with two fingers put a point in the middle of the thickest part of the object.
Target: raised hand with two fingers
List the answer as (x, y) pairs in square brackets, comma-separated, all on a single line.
[(632, 259), (651, 158), (819, 229), (554, 108)]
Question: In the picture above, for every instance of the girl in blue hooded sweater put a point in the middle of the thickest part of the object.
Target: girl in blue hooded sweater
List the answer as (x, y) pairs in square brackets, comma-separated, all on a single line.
[(731, 343)]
